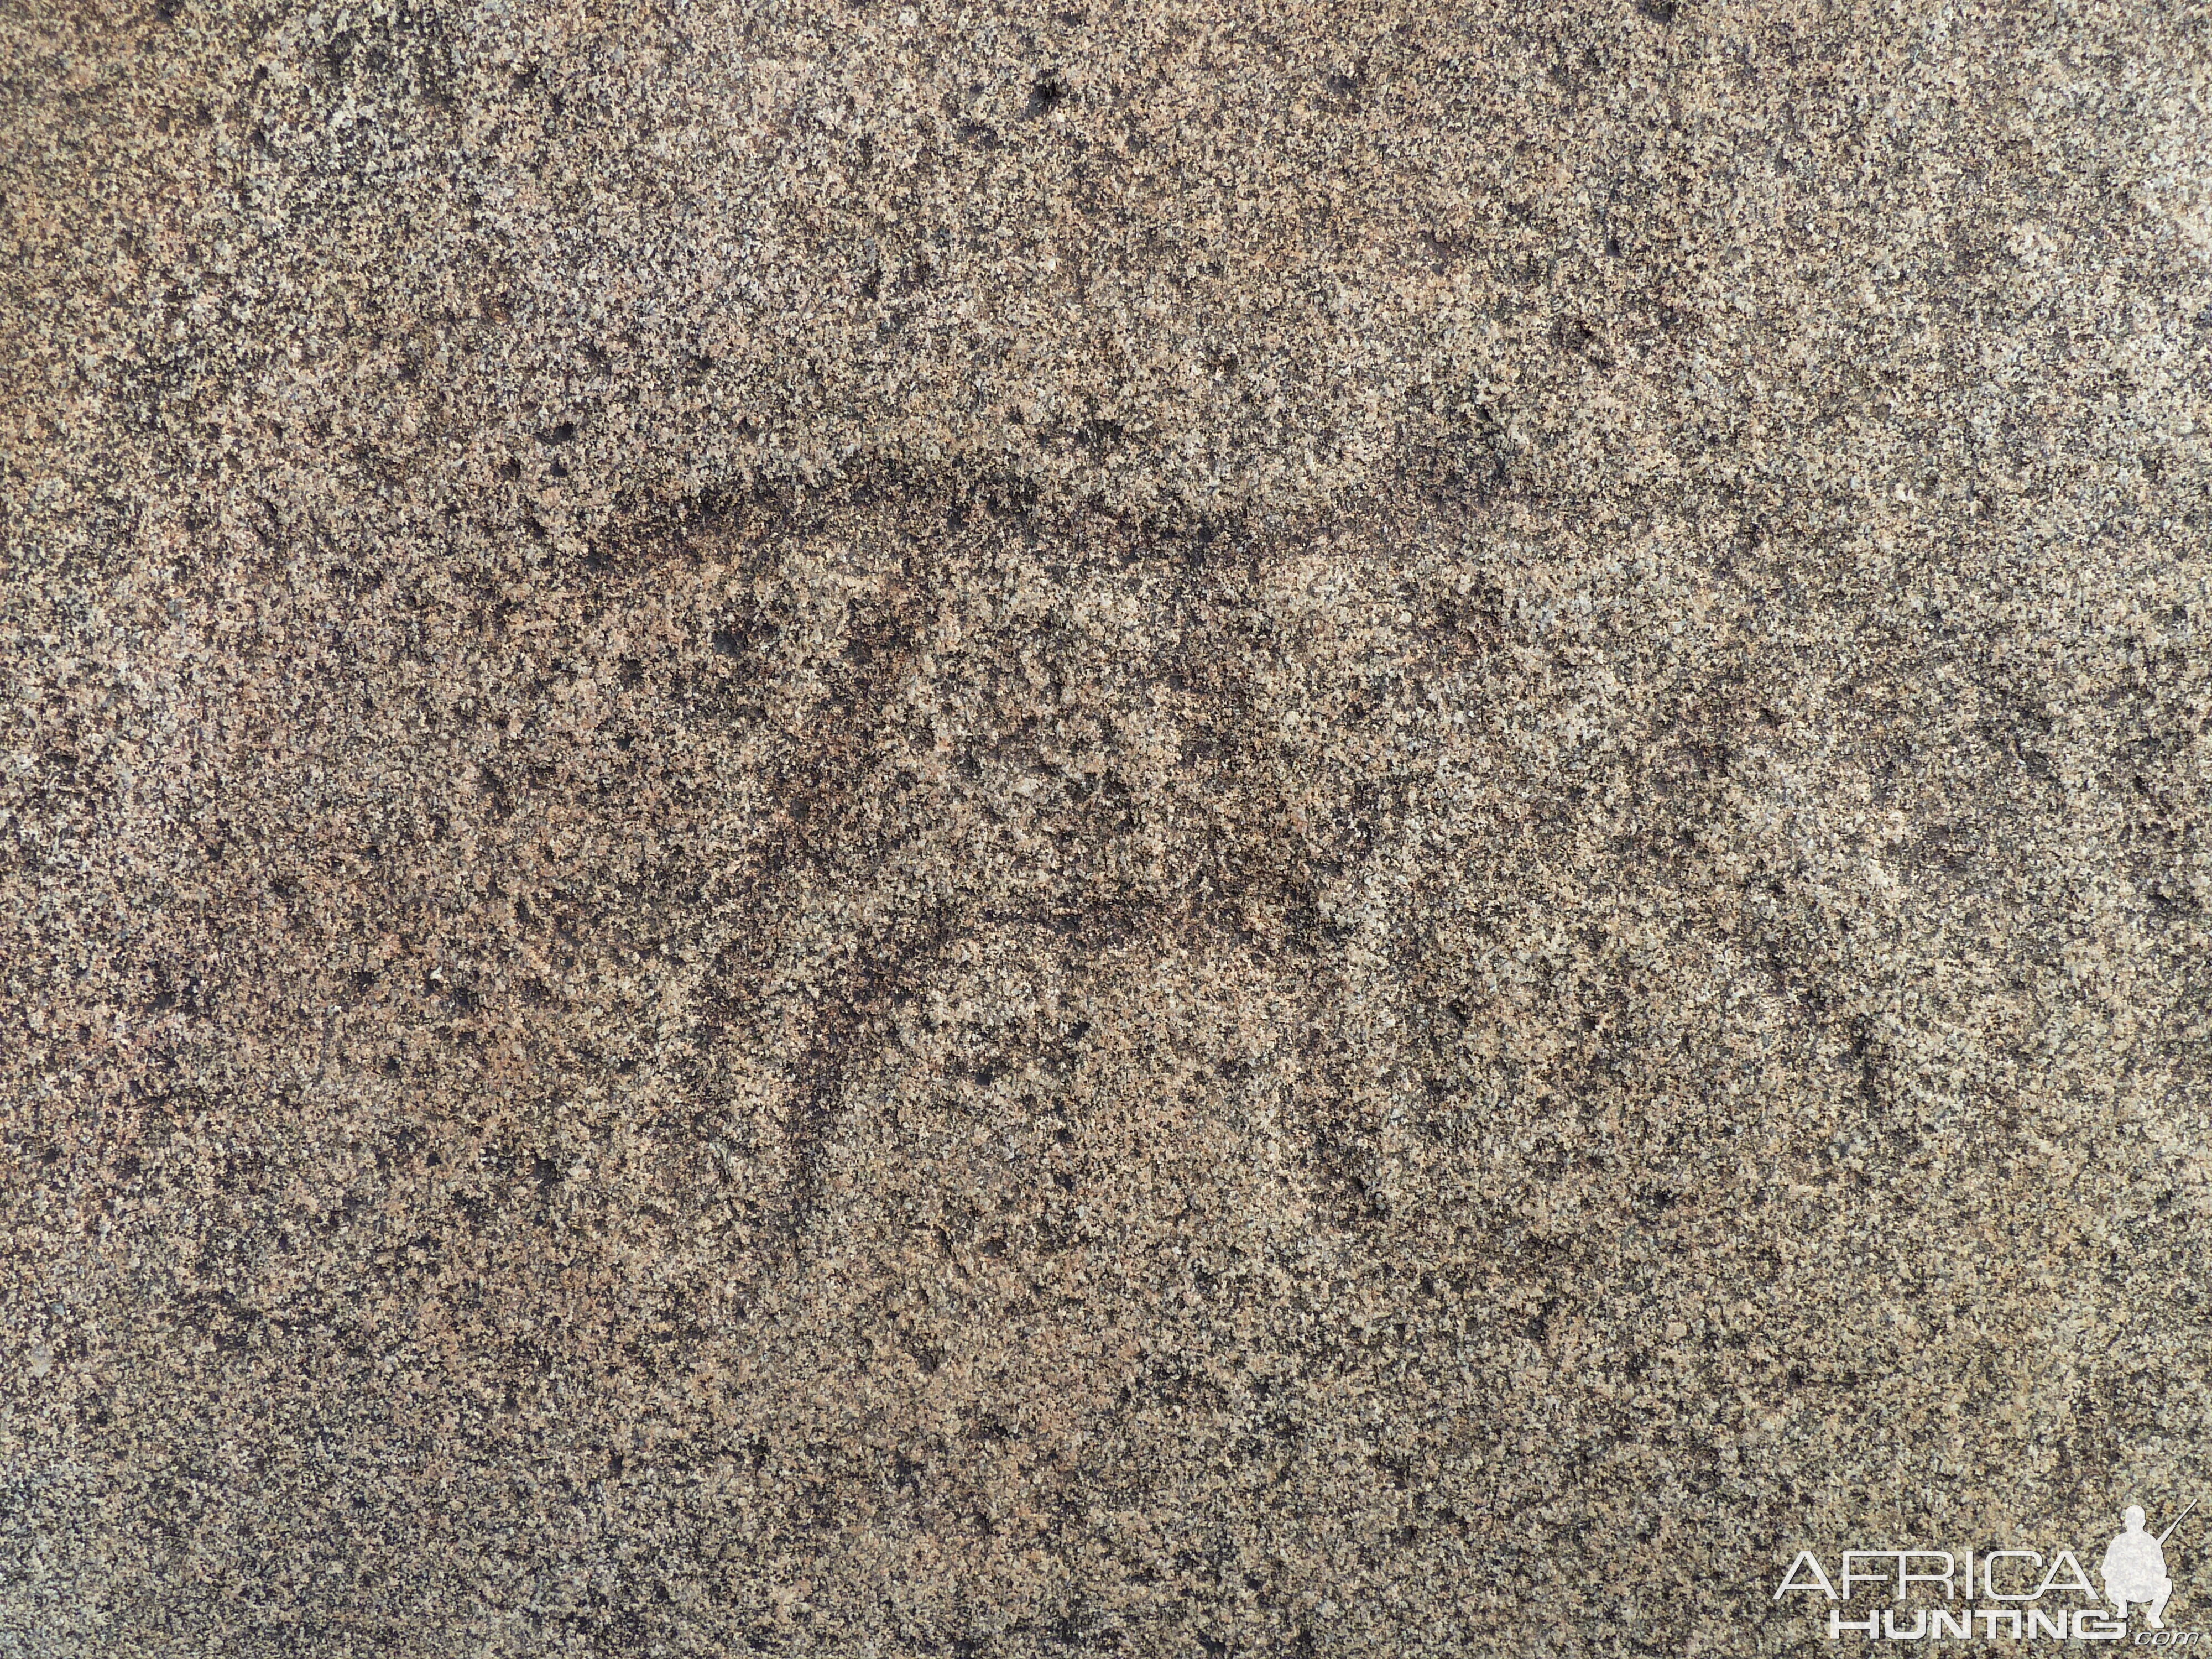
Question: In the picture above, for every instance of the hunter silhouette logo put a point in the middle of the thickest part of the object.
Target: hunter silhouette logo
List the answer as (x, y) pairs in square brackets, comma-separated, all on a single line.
[(2135, 1566), (2001, 1594)]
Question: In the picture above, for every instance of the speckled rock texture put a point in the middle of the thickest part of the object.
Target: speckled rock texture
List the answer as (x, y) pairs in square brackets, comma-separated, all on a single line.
[(1188, 829)]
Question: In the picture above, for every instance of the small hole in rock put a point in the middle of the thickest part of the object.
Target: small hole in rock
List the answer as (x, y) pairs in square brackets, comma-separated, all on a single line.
[(1048, 91)]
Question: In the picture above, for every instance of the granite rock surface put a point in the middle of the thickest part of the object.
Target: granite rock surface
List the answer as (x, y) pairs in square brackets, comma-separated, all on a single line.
[(1251, 828)]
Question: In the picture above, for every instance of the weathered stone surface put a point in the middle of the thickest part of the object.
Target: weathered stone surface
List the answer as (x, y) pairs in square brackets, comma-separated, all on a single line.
[(1270, 829)]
